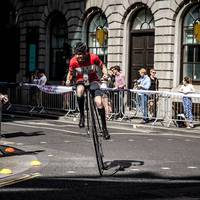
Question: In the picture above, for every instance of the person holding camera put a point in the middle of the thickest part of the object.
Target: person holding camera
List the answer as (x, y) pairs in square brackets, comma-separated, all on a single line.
[(143, 83), (3, 98)]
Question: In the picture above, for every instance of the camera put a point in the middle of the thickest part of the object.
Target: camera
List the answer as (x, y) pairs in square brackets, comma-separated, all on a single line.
[(3, 99)]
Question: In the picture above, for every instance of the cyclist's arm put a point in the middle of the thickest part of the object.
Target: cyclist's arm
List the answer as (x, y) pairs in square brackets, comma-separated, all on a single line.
[(104, 71), (69, 78), (70, 73)]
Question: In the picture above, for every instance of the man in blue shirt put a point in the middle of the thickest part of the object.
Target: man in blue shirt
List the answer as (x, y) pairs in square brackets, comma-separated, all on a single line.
[(144, 83)]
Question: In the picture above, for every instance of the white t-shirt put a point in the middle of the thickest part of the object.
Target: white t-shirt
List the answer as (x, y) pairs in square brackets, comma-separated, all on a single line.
[(42, 80), (187, 88)]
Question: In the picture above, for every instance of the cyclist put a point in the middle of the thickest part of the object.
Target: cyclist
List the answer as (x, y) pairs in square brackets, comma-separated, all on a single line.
[(85, 65)]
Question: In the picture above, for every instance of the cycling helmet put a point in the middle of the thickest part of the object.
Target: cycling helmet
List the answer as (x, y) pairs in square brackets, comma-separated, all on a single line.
[(80, 47)]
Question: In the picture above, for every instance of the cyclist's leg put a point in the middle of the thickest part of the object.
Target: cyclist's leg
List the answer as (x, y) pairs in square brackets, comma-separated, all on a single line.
[(80, 99), (101, 110), (97, 95)]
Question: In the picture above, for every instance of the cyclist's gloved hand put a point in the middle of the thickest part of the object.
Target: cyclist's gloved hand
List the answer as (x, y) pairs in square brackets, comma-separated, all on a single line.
[(104, 78), (67, 83)]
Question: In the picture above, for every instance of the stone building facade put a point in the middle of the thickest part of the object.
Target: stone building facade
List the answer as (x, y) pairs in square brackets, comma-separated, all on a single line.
[(156, 34)]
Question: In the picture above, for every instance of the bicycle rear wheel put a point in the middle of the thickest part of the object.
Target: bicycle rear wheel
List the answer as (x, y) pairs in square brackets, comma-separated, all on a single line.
[(96, 135)]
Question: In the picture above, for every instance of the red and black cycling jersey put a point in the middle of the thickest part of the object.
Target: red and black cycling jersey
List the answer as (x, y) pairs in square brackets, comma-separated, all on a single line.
[(89, 66)]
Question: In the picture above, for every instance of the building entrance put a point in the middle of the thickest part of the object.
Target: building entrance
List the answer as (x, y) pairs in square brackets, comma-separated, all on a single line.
[(141, 53)]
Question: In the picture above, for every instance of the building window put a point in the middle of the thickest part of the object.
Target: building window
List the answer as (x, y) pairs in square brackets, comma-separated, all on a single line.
[(32, 50), (143, 20), (98, 36), (191, 44), (58, 38)]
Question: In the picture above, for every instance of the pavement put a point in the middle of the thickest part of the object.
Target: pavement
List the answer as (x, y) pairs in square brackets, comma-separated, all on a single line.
[(25, 170)]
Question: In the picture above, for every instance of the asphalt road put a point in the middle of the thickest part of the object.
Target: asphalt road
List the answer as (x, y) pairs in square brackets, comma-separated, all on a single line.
[(144, 163)]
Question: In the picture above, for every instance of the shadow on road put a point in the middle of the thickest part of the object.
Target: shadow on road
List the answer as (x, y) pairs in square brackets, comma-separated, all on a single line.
[(98, 188), (12, 151), (22, 134), (121, 165)]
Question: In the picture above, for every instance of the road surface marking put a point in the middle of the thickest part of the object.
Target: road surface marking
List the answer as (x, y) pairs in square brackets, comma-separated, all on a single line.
[(134, 169), (192, 167), (43, 142), (165, 168), (131, 140), (19, 144), (139, 133), (43, 123), (71, 172)]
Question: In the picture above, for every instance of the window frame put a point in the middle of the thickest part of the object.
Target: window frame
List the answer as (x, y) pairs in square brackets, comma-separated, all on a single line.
[(189, 43), (104, 48)]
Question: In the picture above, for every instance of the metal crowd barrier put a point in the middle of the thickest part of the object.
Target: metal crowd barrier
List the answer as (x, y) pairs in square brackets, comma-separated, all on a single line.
[(126, 104)]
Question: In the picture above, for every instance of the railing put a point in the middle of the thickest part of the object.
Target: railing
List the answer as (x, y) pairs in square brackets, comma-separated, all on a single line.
[(163, 107)]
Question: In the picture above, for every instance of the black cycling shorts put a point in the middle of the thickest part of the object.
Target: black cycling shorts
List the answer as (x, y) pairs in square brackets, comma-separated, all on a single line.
[(94, 89)]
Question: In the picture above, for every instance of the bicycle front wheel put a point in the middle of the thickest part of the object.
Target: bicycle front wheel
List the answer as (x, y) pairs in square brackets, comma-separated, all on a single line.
[(96, 137)]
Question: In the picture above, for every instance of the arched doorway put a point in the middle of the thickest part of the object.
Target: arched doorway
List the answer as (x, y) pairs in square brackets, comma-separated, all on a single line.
[(141, 43)]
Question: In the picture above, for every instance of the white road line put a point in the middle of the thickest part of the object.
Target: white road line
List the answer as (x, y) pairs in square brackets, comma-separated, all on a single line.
[(139, 133), (43, 123), (71, 172), (192, 167), (134, 169), (19, 144), (47, 128), (157, 134), (67, 141), (165, 168)]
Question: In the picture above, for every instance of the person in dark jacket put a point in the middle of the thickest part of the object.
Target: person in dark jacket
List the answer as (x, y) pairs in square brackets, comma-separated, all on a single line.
[(153, 98)]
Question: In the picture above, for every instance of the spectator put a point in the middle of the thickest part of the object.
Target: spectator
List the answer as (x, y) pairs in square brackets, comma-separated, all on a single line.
[(119, 78), (119, 84), (34, 89), (144, 83), (34, 77), (111, 78), (105, 100), (65, 95), (153, 98), (40, 80), (187, 88)]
